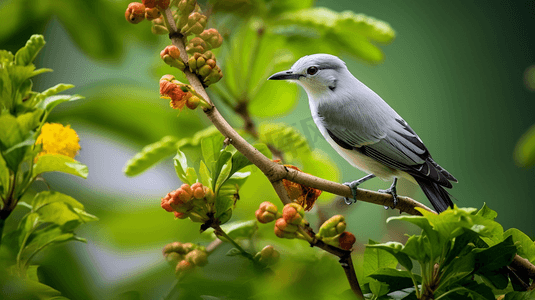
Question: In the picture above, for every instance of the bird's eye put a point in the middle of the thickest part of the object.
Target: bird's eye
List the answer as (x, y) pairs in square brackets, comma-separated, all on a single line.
[(312, 70)]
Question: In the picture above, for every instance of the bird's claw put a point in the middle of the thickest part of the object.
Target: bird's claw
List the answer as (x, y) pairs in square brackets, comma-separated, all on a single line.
[(353, 186), (391, 191)]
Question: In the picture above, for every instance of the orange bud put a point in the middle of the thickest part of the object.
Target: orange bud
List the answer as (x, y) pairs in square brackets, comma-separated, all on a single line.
[(135, 12), (346, 240), (172, 51), (152, 13), (198, 193)]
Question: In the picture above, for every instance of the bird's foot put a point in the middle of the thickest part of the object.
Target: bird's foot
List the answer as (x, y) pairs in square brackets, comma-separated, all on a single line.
[(353, 185), (392, 191)]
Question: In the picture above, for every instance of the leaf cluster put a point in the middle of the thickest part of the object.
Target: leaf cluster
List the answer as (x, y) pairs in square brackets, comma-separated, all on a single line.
[(461, 253)]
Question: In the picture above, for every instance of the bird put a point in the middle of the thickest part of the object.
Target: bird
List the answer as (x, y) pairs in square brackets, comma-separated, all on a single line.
[(365, 130)]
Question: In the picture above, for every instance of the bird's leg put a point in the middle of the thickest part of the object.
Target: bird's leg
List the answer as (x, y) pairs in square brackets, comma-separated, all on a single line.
[(392, 191), (353, 185)]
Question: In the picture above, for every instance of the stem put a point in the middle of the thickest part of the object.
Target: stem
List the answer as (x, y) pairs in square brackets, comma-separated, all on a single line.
[(448, 292), (347, 264), (219, 232)]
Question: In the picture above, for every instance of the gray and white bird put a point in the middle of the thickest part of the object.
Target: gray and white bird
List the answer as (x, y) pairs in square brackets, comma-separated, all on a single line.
[(365, 130)]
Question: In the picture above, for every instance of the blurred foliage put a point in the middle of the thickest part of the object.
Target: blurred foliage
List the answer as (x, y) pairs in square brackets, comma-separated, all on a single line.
[(53, 216), (91, 24), (524, 153)]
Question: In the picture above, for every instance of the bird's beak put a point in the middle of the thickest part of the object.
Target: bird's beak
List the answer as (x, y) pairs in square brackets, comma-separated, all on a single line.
[(284, 75)]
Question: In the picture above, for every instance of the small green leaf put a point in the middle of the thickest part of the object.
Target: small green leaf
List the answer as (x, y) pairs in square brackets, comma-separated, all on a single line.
[(204, 173), (285, 138), (59, 163), (525, 246), (196, 139), (396, 279), (233, 252), (27, 54), (150, 155), (225, 199), (388, 255), (487, 213), (379, 288), (221, 170), (31, 272), (191, 175), (459, 268), (11, 133), (239, 161), (47, 197), (58, 88), (240, 230), (4, 176), (417, 247), (211, 148), (51, 102), (520, 295), (181, 165), (29, 121)]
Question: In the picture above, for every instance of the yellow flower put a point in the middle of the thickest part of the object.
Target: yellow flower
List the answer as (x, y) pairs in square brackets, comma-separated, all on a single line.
[(58, 139)]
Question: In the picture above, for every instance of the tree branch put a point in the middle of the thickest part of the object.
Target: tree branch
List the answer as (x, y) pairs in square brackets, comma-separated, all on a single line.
[(275, 172)]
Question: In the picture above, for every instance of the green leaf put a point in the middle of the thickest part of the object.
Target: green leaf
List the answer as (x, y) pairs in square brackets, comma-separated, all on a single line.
[(396, 279), (417, 247), (31, 272), (274, 99), (51, 102), (204, 173), (27, 54), (233, 252), (59, 163), (221, 170), (181, 165), (385, 253), (191, 175), (29, 121), (240, 230), (11, 133), (285, 138), (47, 197), (459, 268), (225, 199), (150, 155), (520, 295), (354, 33), (379, 288), (495, 257), (211, 148), (58, 88), (524, 245), (487, 213), (376, 257), (4, 176), (524, 153), (239, 161), (196, 139)]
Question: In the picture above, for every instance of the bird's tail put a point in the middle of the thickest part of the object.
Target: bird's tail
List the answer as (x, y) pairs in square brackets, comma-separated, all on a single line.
[(439, 197)]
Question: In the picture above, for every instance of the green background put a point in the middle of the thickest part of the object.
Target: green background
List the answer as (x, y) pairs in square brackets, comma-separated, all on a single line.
[(454, 73)]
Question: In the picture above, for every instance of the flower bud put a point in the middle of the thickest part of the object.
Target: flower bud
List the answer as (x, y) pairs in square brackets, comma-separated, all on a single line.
[(267, 212), (204, 71), (209, 195), (192, 103), (197, 188), (283, 234), (186, 6), (293, 213), (183, 266), (160, 4), (212, 37), (135, 12), (152, 13), (172, 51), (268, 256), (197, 257), (173, 258), (180, 215), (285, 226), (196, 45), (346, 240), (195, 24), (333, 226)]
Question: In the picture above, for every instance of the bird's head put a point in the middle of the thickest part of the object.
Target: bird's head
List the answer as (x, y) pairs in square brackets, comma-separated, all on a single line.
[(317, 73)]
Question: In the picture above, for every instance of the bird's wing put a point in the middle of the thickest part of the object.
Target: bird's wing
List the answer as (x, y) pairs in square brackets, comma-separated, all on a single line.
[(391, 141)]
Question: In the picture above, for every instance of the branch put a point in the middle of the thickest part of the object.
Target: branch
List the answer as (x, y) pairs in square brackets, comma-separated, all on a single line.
[(275, 172)]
